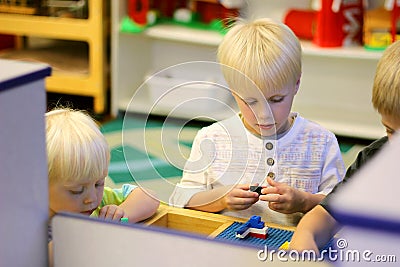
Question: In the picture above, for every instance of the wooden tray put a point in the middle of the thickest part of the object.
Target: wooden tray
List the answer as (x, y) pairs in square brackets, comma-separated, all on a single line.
[(198, 222)]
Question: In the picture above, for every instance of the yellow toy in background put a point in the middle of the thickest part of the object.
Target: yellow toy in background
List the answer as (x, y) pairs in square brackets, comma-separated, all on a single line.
[(381, 24)]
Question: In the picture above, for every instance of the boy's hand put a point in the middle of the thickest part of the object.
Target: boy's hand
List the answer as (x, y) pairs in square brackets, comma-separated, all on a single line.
[(111, 212), (282, 197), (240, 198)]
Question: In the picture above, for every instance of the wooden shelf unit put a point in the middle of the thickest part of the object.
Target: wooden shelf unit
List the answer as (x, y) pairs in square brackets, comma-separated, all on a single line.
[(92, 30)]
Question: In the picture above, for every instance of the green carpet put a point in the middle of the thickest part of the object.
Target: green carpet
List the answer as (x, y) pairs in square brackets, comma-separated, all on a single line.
[(147, 161)]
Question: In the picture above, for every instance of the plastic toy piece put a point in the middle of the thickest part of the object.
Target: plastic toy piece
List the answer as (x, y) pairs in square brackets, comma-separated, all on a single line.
[(124, 220), (285, 246), (243, 231), (253, 227), (258, 230), (255, 188), (137, 11), (255, 222), (261, 236)]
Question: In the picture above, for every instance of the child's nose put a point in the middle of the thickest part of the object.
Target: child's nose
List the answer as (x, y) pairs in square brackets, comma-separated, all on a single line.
[(264, 113), (90, 197)]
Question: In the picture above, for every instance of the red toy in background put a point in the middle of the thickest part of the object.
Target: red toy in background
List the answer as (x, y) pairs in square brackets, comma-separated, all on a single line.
[(302, 22), (168, 7), (142, 12), (210, 10), (138, 9), (339, 23), (396, 21), (331, 23)]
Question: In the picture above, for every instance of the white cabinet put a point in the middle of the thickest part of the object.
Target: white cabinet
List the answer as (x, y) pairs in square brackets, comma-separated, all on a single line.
[(23, 164), (335, 88)]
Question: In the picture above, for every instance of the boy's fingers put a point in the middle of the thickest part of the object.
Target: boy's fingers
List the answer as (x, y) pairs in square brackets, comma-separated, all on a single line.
[(242, 203), (243, 186), (247, 194), (271, 197), (245, 191), (102, 213), (272, 182), (108, 213), (117, 216), (270, 190), (276, 206)]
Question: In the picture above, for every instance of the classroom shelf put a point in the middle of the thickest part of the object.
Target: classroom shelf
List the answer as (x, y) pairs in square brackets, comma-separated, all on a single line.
[(204, 37), (355, 52), (93, 31), (183, 34), (73, 29)]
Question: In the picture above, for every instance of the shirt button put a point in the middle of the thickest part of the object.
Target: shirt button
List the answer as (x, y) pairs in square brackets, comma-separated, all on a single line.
[(270, 161), (271, 175), (269, 146)]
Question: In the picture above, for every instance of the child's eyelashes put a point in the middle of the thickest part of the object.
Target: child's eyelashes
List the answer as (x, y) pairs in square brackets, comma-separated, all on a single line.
[(276, 99), (99, 184), (77, 192), (251, 102)]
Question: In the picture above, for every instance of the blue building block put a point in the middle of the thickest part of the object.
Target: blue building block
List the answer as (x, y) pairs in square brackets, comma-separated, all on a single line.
[(255, 222), (243, 228)]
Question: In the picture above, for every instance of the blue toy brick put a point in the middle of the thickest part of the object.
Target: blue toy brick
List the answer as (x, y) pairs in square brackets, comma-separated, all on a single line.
[(255, 222), (242, 229)]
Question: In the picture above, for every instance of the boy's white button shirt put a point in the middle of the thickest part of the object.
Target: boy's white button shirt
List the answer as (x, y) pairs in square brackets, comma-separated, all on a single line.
[(307, 157)]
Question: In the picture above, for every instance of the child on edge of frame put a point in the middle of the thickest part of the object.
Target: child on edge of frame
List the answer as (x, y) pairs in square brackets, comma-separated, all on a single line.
[(296, 161), (318, 226), (78, 159)]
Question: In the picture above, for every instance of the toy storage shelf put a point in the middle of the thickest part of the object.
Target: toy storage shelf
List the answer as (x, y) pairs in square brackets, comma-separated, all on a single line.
[(92, 81), (335, 86), (309, 49), (183, 34), (203, 37)]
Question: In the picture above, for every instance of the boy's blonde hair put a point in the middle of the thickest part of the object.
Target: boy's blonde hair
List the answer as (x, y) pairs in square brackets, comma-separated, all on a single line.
[(386, 88), (266, 52), (76, 149)]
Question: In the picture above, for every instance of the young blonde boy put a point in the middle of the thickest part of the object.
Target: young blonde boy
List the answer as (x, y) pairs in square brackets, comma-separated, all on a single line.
[(78, 157), (296, 161), (318, 226), (78, 160)]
